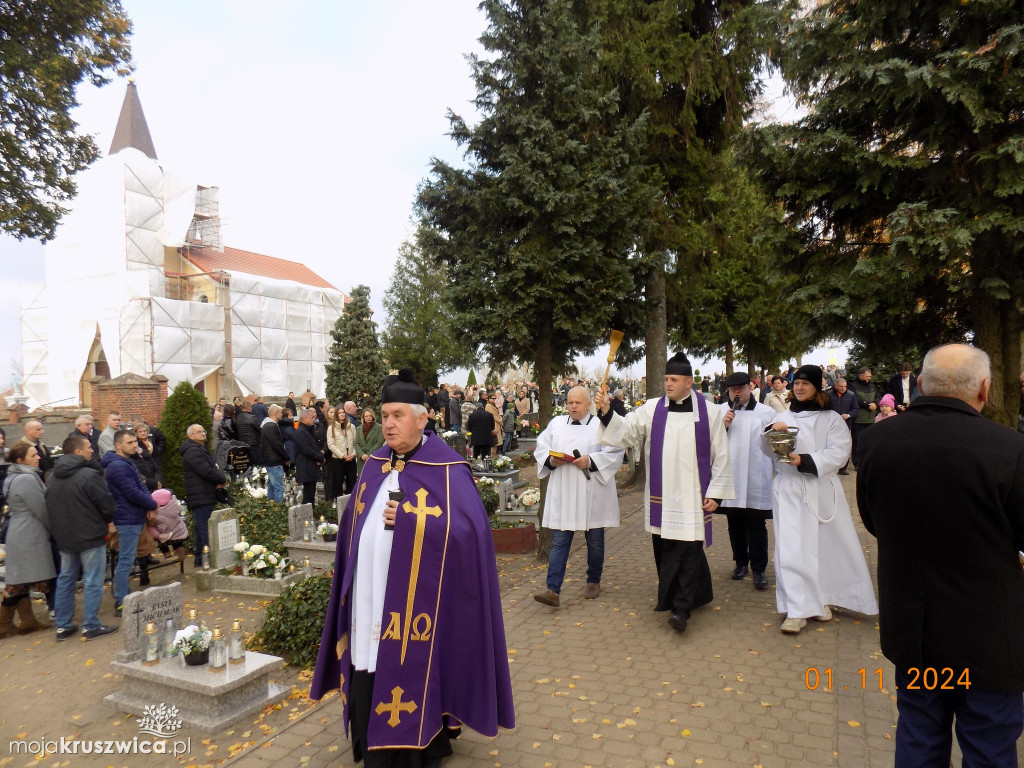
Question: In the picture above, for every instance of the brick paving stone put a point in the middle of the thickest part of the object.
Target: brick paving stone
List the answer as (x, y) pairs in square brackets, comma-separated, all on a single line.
[(628, 667)]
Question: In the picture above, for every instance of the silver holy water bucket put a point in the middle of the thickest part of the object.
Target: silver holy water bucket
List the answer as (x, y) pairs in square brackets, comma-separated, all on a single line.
[(783, 443)]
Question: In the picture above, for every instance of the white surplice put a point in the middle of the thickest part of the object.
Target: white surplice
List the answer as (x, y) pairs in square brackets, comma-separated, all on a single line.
[(751, 469), (682, 517), (817, 563), (572, 502), (370, 581)]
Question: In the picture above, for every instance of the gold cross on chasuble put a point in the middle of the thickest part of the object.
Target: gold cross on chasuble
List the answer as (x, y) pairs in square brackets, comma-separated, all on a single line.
[(395, 706), (421, 510)]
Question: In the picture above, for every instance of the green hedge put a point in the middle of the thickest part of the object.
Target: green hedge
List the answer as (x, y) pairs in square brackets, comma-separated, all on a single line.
[(295, 621)]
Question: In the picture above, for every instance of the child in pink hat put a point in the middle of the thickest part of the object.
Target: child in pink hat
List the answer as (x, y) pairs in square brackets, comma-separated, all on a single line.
[(887, 408)]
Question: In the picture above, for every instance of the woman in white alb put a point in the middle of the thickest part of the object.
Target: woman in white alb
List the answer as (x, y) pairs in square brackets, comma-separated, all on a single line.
[(818, 557)]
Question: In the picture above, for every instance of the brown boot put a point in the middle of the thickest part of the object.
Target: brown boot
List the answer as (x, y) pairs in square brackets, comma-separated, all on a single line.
[(547, 597), (180, 553), (27, 621), (7, 627)]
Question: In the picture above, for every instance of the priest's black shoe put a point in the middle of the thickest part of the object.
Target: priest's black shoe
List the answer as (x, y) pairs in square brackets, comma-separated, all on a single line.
[(739, 572), (760, 580), (677, 622)]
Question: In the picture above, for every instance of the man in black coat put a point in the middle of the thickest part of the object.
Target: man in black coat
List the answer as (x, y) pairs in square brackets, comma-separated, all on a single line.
[(202, 479), (81, 510), (902, 386), (308, 456), (844, 402), (249, 432), (275, 455), (943, 490)]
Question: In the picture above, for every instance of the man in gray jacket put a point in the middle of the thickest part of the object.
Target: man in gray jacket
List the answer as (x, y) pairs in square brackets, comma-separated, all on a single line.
[(81, 510)]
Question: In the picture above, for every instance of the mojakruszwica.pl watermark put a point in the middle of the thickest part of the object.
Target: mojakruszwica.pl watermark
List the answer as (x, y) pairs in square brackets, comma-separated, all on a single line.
[(159, 721)]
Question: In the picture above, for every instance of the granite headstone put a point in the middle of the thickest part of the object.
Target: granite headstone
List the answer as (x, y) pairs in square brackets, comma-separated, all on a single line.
[(297, 515), (224, 534), (156, 604)]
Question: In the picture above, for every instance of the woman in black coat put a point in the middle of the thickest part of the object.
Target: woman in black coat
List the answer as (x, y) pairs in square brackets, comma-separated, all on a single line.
[(227, 429), (480, 426)]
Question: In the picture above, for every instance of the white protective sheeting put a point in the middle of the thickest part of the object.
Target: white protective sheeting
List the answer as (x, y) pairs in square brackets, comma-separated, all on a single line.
[(280, 333), (188, 339), (108, 254)]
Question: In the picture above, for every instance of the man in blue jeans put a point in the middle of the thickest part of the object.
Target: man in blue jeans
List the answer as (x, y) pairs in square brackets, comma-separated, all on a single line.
[(81, 510), (581, 492), (132, 505), (275, 456)]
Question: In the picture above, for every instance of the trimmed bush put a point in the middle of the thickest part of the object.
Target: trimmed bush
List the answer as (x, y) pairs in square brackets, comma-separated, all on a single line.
[(184, 407), (295, 621), (261, 521)]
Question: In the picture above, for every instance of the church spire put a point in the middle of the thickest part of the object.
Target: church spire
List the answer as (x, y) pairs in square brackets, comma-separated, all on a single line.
[(132, 130)]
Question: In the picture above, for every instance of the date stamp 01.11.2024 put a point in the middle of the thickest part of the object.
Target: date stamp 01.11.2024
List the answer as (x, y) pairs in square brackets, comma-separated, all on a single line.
[(923, 679)]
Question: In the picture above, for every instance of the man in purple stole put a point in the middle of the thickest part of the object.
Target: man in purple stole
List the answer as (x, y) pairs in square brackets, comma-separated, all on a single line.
[(688, 474), (414, 635)]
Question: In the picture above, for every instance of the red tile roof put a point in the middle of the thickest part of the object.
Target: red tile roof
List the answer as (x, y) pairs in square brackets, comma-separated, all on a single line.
[(235, 260)]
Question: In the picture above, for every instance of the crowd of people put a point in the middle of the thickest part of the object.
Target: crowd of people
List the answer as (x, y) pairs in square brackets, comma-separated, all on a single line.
[(710, 446)]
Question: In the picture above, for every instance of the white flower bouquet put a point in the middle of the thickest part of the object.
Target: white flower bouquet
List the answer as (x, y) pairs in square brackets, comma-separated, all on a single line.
[(502, 464), (192, 639), (326, 528), (529, 497), (257, 560)]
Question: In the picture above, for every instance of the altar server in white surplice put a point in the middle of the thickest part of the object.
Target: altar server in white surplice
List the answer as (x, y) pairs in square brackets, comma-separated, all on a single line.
[(818, 558), (688, 475), (745, 419), (581, 492)]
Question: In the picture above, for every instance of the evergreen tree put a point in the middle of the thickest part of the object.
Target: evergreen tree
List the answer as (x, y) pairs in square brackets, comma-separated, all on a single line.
[(907, 174), (421, 333), (692, 69), (356, 369), (185, 406), (539, 233), (471, 378), (47, 48)]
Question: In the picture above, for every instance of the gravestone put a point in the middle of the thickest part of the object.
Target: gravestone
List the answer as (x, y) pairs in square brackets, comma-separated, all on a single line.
[(297, 515), (156, 604), (239, 460), (339, 506), (223, 531), (458, 444)]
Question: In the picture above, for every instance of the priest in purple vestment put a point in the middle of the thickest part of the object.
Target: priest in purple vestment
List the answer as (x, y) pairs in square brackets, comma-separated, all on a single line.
[(414, 635)]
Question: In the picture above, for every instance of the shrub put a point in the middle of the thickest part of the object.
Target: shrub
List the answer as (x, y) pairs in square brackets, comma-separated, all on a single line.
[(184, 407), (295, 621), (490, 499), (261, 521)]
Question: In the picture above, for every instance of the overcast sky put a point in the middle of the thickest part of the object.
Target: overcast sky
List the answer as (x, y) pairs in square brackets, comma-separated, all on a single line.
[(316, 118)]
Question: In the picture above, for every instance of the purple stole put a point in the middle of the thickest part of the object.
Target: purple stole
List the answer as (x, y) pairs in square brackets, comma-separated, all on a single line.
[(702, 428)]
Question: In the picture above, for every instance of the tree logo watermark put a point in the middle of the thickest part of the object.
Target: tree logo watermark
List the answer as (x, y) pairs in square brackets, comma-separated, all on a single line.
[(160, 721)]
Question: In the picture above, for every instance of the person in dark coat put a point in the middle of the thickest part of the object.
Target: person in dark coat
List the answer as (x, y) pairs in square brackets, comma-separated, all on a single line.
[(132, 505), (287, 425), (844, 402), (81, 510), (85, 426), (309, 457), (249, 432), (902, 386), (480, 426), (228, 429), (202, 479), (275, 455), (867, 395), (289, 404), (943, 491)]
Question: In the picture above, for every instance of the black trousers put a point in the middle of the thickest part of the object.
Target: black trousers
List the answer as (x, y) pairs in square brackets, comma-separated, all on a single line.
[(857, 431), (309, 493), (360, 711), (349, 474), (748, 536), (684, 578)]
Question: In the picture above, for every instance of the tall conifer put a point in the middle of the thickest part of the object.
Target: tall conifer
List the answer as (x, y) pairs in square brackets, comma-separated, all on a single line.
[(356, 369)]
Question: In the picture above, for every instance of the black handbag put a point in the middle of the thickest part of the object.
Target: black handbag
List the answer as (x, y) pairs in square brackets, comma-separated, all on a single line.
[(223, 497)]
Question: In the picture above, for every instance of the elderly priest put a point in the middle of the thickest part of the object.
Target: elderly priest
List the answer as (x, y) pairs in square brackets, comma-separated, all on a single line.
[(414, 635)]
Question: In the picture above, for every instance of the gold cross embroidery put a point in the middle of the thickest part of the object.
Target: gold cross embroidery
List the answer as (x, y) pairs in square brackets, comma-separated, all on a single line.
[(421, 510), (395, 706)]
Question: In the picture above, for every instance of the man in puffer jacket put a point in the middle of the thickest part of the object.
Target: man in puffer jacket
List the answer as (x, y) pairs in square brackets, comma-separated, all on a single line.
[(81, 511), (202, 479), (132, 505)]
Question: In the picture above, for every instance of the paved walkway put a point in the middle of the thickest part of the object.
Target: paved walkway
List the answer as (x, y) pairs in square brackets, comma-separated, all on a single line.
[(608, 683)]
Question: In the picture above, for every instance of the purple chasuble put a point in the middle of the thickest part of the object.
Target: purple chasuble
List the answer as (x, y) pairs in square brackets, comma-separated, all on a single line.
[(702, 430), (442, 647)]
